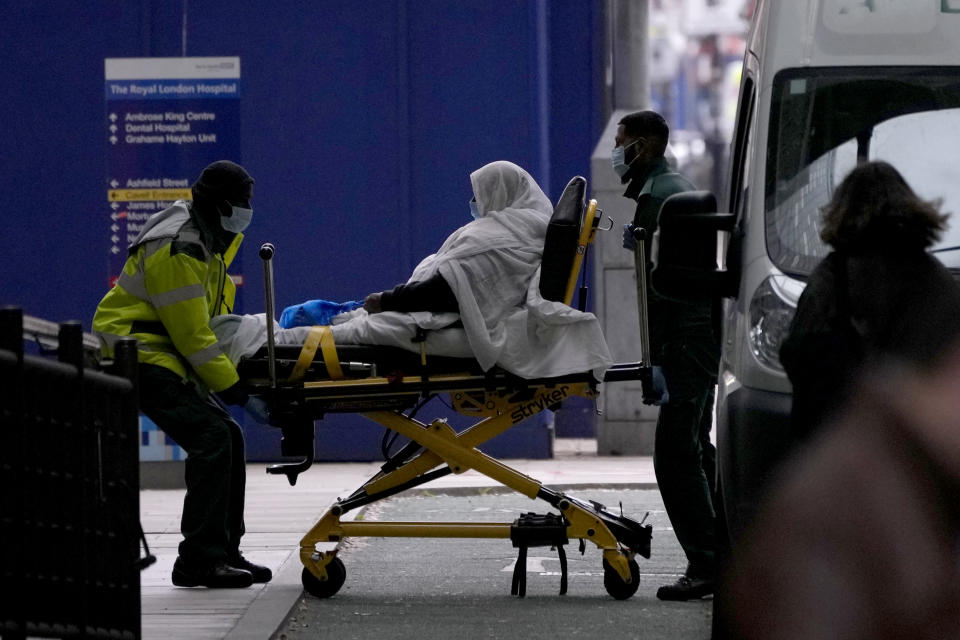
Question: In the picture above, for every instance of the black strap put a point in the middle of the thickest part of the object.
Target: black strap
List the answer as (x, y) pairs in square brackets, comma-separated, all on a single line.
[(147, 558), (563, 569), (519, 585)]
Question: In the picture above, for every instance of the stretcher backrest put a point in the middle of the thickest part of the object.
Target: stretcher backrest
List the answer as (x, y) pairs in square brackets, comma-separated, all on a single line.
[(563, 233)]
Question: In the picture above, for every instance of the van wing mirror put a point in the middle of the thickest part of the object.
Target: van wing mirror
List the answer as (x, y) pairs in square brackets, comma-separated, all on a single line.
[(688, 251)]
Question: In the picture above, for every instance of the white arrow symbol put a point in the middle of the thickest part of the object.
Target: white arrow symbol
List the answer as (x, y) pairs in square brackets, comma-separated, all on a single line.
[(113, 139), (114, 227), (113, 117), (114, 184), (114, 206), (113, 128), (115, 238), (114, 250), (534, 564)]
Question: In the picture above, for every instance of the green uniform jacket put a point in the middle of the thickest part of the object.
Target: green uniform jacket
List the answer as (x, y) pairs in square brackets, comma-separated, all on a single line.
[(171, 285), (677, 326)]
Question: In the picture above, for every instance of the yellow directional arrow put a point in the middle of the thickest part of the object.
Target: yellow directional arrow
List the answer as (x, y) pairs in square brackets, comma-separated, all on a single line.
[(128, 195)]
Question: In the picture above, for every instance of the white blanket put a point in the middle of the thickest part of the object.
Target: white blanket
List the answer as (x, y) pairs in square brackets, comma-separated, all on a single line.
[(242, 336), (543, 339), (492, 265)]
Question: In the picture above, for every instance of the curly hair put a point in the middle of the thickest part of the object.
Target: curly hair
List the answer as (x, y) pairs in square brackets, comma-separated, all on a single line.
[(874, 208)]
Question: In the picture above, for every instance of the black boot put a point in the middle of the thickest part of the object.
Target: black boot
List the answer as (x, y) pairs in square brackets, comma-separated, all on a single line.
[(687, 588), (216, 576), (259, 572)]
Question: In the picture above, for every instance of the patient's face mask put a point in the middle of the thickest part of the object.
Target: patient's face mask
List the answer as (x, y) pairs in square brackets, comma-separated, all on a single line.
[(237, 222), (474, 209), (618, 158)]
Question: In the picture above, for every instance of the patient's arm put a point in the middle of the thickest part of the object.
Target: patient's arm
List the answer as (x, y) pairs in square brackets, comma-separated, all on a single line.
[(433, 294)]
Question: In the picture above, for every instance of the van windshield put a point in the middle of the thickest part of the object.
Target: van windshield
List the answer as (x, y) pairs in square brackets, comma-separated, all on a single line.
[(823, 120)]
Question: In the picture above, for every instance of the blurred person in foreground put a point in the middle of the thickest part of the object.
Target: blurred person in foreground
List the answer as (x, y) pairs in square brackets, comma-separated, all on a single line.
[(859, 538), (878, 294)]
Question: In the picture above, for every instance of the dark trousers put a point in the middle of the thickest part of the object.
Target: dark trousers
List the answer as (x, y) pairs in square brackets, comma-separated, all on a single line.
[(684, 460), (212, 521)]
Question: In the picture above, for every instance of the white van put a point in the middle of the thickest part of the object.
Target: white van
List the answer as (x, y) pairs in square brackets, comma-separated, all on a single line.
[(826, 83)]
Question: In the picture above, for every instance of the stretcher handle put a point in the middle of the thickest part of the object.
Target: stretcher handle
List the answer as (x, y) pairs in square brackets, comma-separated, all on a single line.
[(266, 254), (640, 255)]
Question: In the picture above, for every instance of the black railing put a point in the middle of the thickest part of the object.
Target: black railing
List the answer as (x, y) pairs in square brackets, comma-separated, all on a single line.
[(69, 484)]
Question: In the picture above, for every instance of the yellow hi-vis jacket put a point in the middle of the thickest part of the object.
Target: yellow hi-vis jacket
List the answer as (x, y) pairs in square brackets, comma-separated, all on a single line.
[(171, 286)]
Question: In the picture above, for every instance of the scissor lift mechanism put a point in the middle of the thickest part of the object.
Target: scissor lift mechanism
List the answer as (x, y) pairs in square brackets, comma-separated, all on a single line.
[(497, 399)]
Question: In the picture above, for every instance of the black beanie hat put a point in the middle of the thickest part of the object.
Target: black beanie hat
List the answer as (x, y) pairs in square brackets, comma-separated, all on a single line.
[(223, 180), (220, 181)]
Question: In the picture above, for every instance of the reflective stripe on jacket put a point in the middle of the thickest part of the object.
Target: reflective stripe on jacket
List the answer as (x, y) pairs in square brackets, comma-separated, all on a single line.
[(170, 287)]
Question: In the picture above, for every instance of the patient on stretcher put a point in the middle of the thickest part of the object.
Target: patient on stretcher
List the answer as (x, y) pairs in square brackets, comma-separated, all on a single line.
[(477, 297)]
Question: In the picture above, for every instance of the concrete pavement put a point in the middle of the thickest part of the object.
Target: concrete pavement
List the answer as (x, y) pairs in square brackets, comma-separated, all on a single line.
[(278, 515)]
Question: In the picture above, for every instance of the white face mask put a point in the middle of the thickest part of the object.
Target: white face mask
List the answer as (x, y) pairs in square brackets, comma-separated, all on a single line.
[(237, 222), (474, 209), (618, 159)]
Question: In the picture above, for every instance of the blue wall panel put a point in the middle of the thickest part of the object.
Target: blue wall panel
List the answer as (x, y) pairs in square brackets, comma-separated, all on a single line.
[(360, 122)]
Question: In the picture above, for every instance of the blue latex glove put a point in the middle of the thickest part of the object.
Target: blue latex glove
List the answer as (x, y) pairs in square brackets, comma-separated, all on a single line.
[(314, 312), (629, 242), (256, 407), (655, 389)]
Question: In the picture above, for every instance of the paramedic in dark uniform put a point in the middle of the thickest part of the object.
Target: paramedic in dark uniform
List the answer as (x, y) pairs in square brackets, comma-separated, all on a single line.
[(685, 352), (173, 282)]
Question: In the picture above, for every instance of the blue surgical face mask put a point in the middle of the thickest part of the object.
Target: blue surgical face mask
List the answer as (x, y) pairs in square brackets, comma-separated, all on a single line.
[(618, 159), (474, 209), (237, 222)]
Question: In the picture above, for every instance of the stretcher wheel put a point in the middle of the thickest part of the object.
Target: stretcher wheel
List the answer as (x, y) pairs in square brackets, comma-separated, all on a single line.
[(336, 574), (615, 585)]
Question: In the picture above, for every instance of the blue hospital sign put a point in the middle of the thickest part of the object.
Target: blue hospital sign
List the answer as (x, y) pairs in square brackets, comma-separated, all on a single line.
[(166, 119)]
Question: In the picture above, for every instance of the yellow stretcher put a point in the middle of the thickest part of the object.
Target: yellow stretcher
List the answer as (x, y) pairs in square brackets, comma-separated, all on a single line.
[(302, 385)]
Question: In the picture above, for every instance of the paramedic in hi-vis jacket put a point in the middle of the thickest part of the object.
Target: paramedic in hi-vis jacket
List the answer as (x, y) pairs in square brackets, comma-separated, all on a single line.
[(685, 354), (174, 281)]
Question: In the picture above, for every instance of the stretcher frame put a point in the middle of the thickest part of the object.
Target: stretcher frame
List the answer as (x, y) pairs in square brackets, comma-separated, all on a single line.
[(496, 399)]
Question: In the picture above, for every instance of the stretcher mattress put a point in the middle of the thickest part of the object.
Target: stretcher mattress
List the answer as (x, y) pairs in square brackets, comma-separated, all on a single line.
[(356, 361), (368, 361)]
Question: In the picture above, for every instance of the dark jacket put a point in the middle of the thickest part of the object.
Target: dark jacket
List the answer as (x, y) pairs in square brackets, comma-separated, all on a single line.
[(433, 294), (858, 310), (678, 327)]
